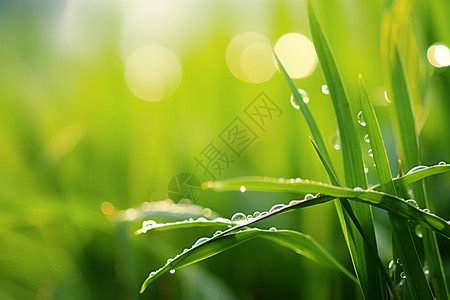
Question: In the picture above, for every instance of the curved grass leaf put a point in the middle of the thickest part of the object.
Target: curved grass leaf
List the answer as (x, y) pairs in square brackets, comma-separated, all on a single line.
[(200, 222), (403, 242), (387, 202), (409, 149), (296, 241), (366, 269), (416, 176), (164, 210), (350, 213)]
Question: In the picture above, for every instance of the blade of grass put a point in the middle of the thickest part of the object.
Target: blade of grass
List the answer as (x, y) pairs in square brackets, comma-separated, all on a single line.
[(403, 242), (296, 241), (416, 176), (366, 268), (201, 222), (385, 201), (409, 150), (349, 211)]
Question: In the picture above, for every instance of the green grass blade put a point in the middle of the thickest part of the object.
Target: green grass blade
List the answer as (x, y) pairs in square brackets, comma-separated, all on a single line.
[(384, 201), (304, 108), (349, 211), (366, 269), (200, 222), (165, 210), (403, 242), (409, 150), (351, 151), (416, 176), (296, 241)]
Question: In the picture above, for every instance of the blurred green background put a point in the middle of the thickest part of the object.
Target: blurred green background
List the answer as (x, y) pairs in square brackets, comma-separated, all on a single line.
[(74, 135)]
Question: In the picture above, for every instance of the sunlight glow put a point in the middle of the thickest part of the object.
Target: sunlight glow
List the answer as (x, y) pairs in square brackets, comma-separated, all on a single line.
[(153, 73), (297, 54), (249, 57), (439, 56)]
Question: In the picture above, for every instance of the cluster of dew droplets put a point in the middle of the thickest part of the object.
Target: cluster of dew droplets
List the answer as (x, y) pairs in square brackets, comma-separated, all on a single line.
[(305, 98)]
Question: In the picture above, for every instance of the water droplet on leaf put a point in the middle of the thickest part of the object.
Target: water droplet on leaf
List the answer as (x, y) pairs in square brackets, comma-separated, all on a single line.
[(308, 196), (304, 96), (238, 218), (243, 189), (370, 152), (442, 163), (272, 229), (361, 119), (415, 169), (419, 231), (201, 241), (276, 207), (366, 138), (336, 142), (325, 89)]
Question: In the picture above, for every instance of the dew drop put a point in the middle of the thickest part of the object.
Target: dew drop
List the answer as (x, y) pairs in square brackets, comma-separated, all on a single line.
[(399, 261), (325, 89), (298, 179), (426, 272), (308, 196), (294, 202), (201, 219), (366, 170), (249, 217), (391, 264), (415, 169), (386, 97), (304, 96), (200, 241), (370, 152), (272, 229), (366, 138), (412, 202), (217, 232), (238, 218), (402, 275), (276, 207), (152, 274), (358, 189), (426, 210), (243, 189), (419, 231), (169, 261), (442, 163), (172, 271), (263, 214), (336, 142), (256, 214), (361, 119)]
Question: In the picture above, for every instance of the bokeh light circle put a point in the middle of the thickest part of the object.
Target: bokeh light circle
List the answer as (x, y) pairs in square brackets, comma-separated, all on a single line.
[(439, 55), (297, 54), (249, 57), (153, 72)]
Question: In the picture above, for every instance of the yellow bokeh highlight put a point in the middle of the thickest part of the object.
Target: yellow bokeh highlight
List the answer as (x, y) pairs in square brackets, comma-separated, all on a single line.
[(439, 56), (249, 57), (297, 54), (153, 73)]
